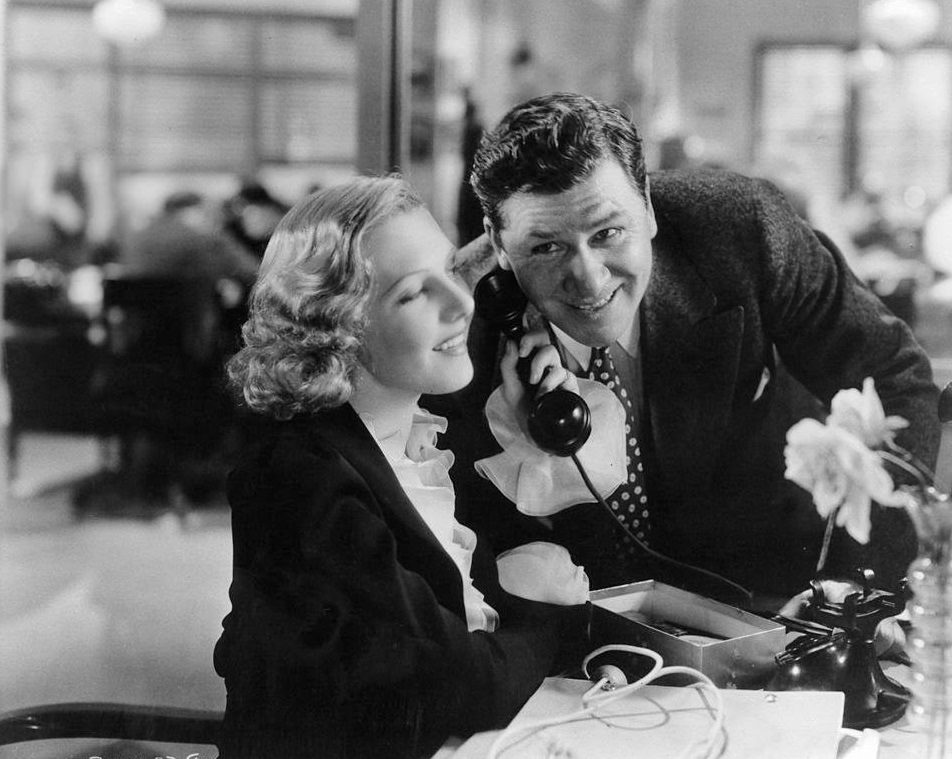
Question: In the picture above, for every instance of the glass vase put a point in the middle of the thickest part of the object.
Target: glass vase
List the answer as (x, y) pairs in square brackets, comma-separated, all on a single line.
[(930, 637)]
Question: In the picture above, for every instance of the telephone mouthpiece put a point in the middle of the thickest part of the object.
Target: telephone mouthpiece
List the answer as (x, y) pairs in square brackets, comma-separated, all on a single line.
[(559, 422)]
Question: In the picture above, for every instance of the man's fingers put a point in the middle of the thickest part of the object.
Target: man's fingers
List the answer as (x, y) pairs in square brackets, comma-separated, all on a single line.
[(544, 360), (511, 384), (532, 341)]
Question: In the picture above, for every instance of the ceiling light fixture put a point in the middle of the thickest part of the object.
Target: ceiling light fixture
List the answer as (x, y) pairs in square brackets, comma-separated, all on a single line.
[(900, 25), (128, 22)]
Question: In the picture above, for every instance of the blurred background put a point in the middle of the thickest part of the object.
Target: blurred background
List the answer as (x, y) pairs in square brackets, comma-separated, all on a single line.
[(151, 146)]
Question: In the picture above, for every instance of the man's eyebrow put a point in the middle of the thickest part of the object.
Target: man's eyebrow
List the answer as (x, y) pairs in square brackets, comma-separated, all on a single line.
[(607, 217), (604, 219)]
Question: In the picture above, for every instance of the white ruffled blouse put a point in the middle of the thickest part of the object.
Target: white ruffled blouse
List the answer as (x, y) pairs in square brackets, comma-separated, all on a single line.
[(422, 470)]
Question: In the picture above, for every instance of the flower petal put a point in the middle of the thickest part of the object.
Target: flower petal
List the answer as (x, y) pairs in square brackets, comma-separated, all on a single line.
[(854, 515), (862, 413)]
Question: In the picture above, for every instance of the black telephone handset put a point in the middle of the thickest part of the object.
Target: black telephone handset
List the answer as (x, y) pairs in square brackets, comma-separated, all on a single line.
[(560, 421)]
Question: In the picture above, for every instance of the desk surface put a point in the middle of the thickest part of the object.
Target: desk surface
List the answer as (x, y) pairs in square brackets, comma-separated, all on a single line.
[(663, 721)]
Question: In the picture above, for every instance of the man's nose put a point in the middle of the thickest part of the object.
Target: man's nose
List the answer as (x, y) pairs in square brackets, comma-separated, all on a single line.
[(586, 273)]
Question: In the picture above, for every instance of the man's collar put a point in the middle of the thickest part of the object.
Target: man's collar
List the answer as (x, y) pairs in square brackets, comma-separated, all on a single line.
[(581, 354)]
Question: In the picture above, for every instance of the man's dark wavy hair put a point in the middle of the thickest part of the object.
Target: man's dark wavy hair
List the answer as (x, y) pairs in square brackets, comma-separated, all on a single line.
[(549, 144)]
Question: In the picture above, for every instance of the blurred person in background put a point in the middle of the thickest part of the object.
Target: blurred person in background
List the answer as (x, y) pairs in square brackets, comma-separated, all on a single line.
[(886, 238), (58, 217), (159, 385), (469, 214), (251, 215), (184, 240)]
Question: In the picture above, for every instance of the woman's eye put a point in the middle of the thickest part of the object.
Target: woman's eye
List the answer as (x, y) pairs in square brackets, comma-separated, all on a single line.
[(409, 297)]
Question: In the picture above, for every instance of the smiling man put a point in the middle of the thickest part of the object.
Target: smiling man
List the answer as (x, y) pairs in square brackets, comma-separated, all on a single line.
[(719, 318)]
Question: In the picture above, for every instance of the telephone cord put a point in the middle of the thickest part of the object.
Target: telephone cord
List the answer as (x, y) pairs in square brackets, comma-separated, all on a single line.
[(709, 747)]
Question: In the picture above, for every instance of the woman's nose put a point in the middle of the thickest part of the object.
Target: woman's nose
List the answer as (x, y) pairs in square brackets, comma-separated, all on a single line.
[(459, 302)]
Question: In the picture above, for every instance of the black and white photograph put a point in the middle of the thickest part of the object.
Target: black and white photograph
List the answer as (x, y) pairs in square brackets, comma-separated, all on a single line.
[(476, 379)]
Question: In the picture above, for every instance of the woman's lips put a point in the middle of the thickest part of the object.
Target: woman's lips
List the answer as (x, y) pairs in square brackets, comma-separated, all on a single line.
[(455, 344)]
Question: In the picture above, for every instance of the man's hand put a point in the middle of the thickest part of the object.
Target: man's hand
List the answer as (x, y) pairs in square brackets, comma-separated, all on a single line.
[(542, 572), (545, 370)]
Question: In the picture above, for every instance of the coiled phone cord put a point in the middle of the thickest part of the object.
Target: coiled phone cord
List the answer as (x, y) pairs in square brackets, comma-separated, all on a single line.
[(611, 684)]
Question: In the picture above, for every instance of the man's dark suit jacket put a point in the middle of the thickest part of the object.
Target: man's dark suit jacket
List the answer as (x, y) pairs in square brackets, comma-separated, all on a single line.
[(347, 635), (750, 322)]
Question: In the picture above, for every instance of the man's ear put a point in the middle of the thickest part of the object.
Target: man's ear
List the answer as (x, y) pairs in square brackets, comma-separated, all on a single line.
[(495, 239), (651, 215)]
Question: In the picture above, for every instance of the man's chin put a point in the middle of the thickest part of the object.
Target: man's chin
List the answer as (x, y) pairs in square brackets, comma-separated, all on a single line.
[(594, 335), (595, 329)]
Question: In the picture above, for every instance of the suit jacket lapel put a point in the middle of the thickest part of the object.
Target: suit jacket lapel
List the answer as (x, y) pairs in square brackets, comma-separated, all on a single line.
[(691, 355), (421, 551)]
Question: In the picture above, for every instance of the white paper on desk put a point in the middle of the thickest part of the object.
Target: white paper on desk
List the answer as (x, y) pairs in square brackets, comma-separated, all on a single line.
[(660, 722)]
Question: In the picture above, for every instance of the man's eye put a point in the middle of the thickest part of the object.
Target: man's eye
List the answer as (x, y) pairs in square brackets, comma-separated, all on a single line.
[(606, 234), (456, 272), (543, 248)]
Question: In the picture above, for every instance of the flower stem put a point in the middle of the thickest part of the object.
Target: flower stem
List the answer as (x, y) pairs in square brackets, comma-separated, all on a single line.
[(825, 546), (904, 459)]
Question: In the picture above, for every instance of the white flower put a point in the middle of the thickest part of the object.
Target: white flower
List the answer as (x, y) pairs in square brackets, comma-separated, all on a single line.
[(862, 414), (842, 474)]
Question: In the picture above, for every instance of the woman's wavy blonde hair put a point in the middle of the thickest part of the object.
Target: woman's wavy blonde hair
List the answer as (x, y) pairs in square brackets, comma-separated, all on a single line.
[(307, 309)]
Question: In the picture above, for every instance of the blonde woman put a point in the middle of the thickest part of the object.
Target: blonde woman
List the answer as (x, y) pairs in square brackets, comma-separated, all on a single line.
[(366, 620)]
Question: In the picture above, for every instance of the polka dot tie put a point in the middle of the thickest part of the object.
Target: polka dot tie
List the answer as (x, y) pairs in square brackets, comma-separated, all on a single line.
[(629, 502)]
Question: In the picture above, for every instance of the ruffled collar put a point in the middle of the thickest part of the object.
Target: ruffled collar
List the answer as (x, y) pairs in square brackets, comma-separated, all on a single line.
[(416, 443), (422, 470)]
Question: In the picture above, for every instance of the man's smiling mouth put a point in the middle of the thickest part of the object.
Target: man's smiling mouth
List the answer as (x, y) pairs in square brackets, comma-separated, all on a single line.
[(596, 305)]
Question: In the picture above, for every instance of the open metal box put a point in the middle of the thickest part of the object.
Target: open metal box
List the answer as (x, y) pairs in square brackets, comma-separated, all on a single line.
[(733, 647)]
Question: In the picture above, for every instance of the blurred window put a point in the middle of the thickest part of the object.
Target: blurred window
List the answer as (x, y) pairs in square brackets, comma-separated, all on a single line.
[(905, 122), (54, 34), (214, 91), (197, 42), (157, 109), (803, 106), (857, 119), (327, 47), (308, 121), (53, 106)]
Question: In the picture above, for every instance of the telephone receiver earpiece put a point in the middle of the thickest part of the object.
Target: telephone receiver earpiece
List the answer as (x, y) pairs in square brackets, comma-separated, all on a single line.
[(560, 421)]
